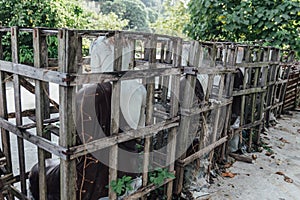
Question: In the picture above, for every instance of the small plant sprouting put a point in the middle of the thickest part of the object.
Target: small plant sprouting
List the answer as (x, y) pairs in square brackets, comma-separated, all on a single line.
[(159, 175), (121, 185)]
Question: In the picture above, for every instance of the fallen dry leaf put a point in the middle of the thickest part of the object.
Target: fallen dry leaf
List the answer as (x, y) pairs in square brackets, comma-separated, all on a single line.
[(254, 156), (284, 140), (288, 179), (268, 153), (280, 173), (228, 174)]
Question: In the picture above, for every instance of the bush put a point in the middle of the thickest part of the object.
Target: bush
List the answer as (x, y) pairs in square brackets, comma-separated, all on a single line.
[(132, 10), (52, 14), (275, 21)]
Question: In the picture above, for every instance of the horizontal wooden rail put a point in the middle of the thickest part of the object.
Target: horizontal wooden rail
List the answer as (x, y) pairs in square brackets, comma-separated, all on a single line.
[(202, 152), (249, 91), (121, 75), (125, 136), (36, 140), (35, 73), (146, 190), (31, 112), (254, 64), (212, 106), (250, 125)]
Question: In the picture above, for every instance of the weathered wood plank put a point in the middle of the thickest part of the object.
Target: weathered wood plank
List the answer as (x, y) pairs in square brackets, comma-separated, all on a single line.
[(78, 79), (230, 58), (146, 190), (250, 91), (183, 130), (172, 137), (255, 64), (149, 106), (215, 105), (115, 114), (38, 141), (33, 125), (102, 143), (218, 110), (6, 147), (18, 108), (67, 64), (253, 107), (35, 73), (202, 152), (123, 75), (31, 112), (246, 58), (42, 104)]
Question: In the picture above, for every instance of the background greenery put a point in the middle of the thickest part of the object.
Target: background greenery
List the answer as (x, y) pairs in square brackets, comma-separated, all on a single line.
[(273, 22), (50, 13)]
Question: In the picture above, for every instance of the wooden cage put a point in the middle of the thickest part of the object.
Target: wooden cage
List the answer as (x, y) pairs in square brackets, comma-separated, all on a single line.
[(175, 115)]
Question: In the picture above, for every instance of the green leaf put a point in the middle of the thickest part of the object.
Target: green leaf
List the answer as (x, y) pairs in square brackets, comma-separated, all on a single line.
[(278, 20)]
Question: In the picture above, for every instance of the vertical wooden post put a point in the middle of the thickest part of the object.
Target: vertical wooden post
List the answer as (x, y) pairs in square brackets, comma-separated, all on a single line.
[(149, 106), (162, 52), (3, 114), (253, 107), (18, 108), (168, 58), (115, 113), (218, 110), (175, 86), (67, 133), (271, 83), (245, 82), (42, 105), (263, 83), (185, 121), (229, 77)]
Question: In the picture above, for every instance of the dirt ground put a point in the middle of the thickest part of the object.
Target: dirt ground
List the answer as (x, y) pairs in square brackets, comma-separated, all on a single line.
[(270, 177)]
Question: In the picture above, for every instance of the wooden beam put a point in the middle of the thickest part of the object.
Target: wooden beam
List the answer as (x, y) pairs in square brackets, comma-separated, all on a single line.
[(42, 104), (102, 143), (115, 114), (172, 137), (35, 73), (67, 42), (6, 147), (202, 152), (18, 108), (36, 140), (149, 106)]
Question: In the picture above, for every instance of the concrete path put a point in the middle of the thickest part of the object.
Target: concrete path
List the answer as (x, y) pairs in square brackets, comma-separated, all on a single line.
[(270, 177)]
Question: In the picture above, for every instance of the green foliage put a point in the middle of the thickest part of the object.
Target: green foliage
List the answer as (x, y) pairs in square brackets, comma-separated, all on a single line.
[(150, 3), (152, 15), (53, 14), (26, 13), (121, 185), (159, 175), (132, 10), (274, 21), (173, 20)]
